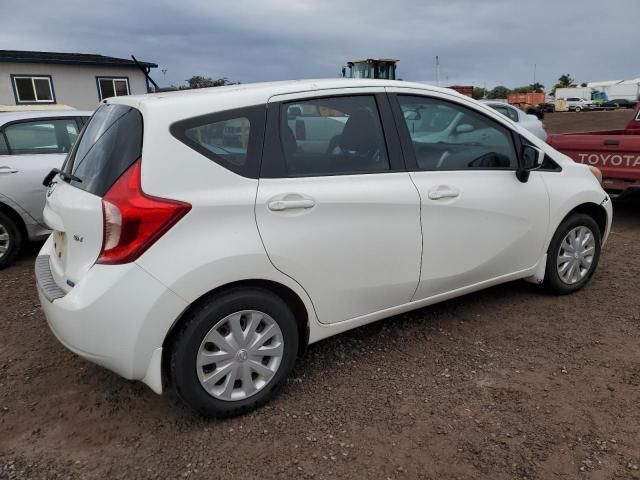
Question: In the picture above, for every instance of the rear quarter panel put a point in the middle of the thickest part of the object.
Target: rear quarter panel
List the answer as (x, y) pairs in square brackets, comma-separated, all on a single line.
[(217, 242)]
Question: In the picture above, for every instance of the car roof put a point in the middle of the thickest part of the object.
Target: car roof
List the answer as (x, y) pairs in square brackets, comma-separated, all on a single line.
[(244, 95), (492, 103), (6, 117)]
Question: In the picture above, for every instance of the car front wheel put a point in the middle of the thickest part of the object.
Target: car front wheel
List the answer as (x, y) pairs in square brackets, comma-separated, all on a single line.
[(573, 254), (233, 352)]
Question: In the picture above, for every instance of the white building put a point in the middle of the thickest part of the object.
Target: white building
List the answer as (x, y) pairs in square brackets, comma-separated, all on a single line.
[(41, 80)]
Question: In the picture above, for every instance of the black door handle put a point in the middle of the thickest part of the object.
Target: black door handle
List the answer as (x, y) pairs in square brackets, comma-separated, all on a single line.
[(611, 141)]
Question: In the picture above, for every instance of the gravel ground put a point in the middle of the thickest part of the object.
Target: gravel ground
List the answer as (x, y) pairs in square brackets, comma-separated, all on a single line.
[(508, 383)]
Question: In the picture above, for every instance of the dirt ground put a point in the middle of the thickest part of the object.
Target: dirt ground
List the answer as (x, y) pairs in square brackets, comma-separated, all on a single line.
[(508, 383), (565, 122)]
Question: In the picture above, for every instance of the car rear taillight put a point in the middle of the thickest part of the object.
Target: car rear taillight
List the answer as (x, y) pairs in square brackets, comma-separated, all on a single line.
[(133, 220)]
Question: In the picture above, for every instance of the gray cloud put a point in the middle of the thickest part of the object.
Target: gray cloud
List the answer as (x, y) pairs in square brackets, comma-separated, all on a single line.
[(479, 42)]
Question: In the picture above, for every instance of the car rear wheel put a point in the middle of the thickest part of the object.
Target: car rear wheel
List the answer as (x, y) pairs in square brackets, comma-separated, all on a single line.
[(573, 254), (578, 109), (233, 352), (10, 240)]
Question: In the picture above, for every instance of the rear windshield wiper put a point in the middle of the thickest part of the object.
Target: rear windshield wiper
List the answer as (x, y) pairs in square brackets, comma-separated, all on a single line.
[(67, 177)]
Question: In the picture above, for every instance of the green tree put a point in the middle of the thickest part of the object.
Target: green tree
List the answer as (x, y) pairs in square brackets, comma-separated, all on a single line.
[(198, 81), (536, 87), (533, 87), (479, 93), (499, 92), (203, 82), (564, 81)]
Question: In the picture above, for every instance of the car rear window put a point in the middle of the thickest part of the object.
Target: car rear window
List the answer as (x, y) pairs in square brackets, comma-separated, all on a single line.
[(109, 144)]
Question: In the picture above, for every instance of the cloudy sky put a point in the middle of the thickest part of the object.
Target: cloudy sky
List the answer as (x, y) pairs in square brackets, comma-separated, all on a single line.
[(478, 41)]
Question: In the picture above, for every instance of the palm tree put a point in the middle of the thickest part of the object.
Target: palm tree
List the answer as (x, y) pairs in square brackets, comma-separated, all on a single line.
[(564, 81)]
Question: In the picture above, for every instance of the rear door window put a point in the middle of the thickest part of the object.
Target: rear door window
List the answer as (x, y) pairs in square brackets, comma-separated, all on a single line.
[(328, 136), (41, 136), (109, 144)]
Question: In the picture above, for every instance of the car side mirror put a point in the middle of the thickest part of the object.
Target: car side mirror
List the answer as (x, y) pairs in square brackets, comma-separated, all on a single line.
[(531, 158), (464, 128)]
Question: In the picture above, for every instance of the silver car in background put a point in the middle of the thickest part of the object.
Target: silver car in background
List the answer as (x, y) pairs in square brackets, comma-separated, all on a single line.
[(530, 122), (32, 143)]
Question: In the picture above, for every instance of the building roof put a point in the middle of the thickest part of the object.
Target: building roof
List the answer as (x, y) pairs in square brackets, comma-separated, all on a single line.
[(20, 56), (607, 83)]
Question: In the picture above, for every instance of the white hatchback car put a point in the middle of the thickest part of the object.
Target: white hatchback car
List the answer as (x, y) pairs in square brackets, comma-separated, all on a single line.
[(32, 143), (203, 239)]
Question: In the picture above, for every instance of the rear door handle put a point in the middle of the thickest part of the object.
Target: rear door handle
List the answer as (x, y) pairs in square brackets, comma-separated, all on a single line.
[(280, 205), (443, 193), (8, 170), (611, 141)]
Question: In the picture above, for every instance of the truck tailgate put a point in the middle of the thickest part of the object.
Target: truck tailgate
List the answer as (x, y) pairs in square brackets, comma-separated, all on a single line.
[(615, 153)]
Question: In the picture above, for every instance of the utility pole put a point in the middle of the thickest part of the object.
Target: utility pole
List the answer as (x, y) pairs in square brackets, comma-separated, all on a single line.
[(437, 71), (534, 73), (164, 75)]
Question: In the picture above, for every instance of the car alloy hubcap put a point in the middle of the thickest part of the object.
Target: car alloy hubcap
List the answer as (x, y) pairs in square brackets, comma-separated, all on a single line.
[(576, 254), (5, 241), (240, 355)]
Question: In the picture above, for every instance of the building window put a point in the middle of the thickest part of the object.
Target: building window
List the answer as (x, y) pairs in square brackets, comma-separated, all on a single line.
[(112, 87), (32, 89)]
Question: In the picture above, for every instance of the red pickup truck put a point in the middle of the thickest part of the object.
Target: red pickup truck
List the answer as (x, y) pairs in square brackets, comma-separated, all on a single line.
[(615, 152)]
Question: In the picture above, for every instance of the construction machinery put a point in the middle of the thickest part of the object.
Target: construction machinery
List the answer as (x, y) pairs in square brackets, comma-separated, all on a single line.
[(383, 68)]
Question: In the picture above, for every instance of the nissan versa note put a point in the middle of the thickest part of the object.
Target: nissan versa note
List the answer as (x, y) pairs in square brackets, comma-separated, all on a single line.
[(202, 239)]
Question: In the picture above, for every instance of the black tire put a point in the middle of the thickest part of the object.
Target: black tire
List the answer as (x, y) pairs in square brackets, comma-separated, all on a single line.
[(578, 109), (15, 239), (552, 281), (198, 322)]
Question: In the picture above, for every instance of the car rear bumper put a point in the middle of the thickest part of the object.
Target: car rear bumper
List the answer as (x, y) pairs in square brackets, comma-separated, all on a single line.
[(117, 316)]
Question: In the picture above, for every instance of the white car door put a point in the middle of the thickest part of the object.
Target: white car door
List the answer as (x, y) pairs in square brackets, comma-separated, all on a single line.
[(32, 149), (342, 218), (480, 223)]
